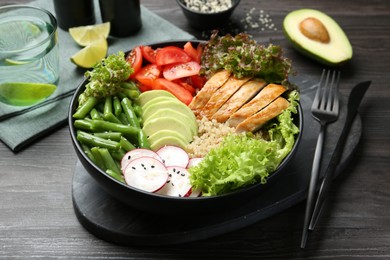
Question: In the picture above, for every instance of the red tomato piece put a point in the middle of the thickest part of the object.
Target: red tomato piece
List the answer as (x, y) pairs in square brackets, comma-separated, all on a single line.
[(178, 91), (181, 70), (135, 59), (185, 84), (198, 81), (191, 51), (149, 54), (148, 74), (170, 55)]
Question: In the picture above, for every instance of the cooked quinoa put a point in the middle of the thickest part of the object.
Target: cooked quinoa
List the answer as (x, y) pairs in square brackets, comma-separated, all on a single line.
[(210, 135)]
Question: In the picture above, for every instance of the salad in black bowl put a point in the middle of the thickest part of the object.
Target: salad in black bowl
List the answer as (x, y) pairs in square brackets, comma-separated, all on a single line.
[(187, 127)]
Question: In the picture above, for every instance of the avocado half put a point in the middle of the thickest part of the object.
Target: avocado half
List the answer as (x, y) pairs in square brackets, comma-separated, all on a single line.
[(317, 36)]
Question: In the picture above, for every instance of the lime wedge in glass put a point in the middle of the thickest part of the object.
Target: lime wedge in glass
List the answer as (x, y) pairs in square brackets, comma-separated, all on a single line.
[(25, 93)]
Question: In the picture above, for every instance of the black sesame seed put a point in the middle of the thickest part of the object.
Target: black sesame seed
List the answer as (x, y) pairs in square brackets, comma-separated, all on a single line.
[(133, 167)]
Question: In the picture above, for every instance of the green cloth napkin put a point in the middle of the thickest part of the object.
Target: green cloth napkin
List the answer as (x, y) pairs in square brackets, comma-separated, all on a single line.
[(20, 130)]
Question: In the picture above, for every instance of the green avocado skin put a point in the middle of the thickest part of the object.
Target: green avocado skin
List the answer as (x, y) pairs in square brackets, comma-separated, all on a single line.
[(317, 54)]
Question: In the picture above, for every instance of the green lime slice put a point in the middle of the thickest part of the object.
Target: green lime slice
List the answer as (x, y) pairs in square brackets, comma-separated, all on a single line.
[(25, 93)]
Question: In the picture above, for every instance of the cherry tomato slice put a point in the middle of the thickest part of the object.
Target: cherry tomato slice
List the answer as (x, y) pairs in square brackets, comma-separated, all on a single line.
[(181, 70), (198, 81), (191, 51), (186, 84), (149, 54), (135, 59), (148, 74), (178, 91), (170, 55)]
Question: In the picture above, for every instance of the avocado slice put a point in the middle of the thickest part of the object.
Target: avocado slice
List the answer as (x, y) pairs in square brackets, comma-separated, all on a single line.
[(176, 113), (167, 137), (146, 96), (172, 104), (317, 36), (168, 123)]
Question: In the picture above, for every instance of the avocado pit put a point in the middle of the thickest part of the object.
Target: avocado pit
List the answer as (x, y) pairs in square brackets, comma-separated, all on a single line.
[(314, 29)]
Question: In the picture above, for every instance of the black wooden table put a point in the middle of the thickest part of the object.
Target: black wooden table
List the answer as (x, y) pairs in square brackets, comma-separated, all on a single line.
[(37, 219)]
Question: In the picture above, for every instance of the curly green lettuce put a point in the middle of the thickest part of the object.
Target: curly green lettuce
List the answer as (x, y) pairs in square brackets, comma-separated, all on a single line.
[(106, 77), (242, 160), (243, 56)]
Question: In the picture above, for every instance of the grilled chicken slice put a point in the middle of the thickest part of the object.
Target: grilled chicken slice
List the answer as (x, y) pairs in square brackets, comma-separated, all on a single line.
[(262, 99), (222, 95), (212, 85), (256, 121), (243, 95)]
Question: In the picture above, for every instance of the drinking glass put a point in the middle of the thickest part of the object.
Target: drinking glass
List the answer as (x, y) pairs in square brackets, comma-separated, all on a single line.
[(29, 55)]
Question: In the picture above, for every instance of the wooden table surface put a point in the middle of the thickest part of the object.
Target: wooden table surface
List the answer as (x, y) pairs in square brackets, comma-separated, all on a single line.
[(36, 214)]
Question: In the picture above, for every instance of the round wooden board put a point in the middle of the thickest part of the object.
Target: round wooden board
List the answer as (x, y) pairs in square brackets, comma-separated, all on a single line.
[(111, 220)]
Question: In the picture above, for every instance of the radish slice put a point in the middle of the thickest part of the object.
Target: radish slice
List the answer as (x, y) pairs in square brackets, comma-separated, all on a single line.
[(173, 156), (194, 162), (146, 173), (138, 153), (178, 183)]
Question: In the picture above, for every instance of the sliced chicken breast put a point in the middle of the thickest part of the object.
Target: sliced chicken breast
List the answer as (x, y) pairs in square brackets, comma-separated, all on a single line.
[(261, 100), (222, 95), (204, 95), (256, 121), (242, 96)]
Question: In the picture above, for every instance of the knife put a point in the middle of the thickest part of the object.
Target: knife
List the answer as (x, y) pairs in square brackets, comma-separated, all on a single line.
[(354, 101)]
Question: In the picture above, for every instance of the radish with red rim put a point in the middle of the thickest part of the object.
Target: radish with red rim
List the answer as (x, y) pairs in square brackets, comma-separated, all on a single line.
[(138, 153), (146, 173), (178, 183), (173, 156)]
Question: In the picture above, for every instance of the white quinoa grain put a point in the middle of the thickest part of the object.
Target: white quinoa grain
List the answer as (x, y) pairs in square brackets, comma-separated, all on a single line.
[(210, 135)]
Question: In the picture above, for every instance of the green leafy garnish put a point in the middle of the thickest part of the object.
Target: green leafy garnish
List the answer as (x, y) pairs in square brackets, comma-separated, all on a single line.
[(242, 160), (106, 77), (243, 56)]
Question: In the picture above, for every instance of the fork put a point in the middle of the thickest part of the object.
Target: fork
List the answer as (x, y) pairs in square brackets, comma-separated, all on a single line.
[(325, 109)]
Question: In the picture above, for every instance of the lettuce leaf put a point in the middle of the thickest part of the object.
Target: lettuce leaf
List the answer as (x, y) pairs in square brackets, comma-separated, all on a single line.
[(242, 160)]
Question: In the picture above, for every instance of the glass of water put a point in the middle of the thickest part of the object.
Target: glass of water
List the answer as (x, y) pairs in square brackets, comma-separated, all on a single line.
[(29, 55)]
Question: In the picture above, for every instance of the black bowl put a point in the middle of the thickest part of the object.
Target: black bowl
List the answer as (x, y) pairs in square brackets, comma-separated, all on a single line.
[(165, 205), (205, 21)]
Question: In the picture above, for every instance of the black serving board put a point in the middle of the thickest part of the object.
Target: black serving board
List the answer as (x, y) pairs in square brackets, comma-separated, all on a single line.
[(111, 220)]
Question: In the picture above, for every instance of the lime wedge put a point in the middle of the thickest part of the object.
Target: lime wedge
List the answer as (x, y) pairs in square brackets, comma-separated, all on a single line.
[(25, 93), (85, 35), (90, 55)]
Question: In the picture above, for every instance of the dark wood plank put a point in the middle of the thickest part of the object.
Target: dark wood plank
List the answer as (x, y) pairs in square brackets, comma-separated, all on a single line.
[(36, 213)]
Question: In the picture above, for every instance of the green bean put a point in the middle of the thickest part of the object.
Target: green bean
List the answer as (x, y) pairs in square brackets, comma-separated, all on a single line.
[(115, 175), (107, 105), (117, 106), (88, 152), (115, 136), (111, 118), (130, 114), (126, 144), (109, 126), (92, 140), (118, 155), (123, 118), (137, 110), (129, 85), (99, 160), (109, 161), (143, 141), (84, 109), (130, 93), (84, 124), (95, 114)]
